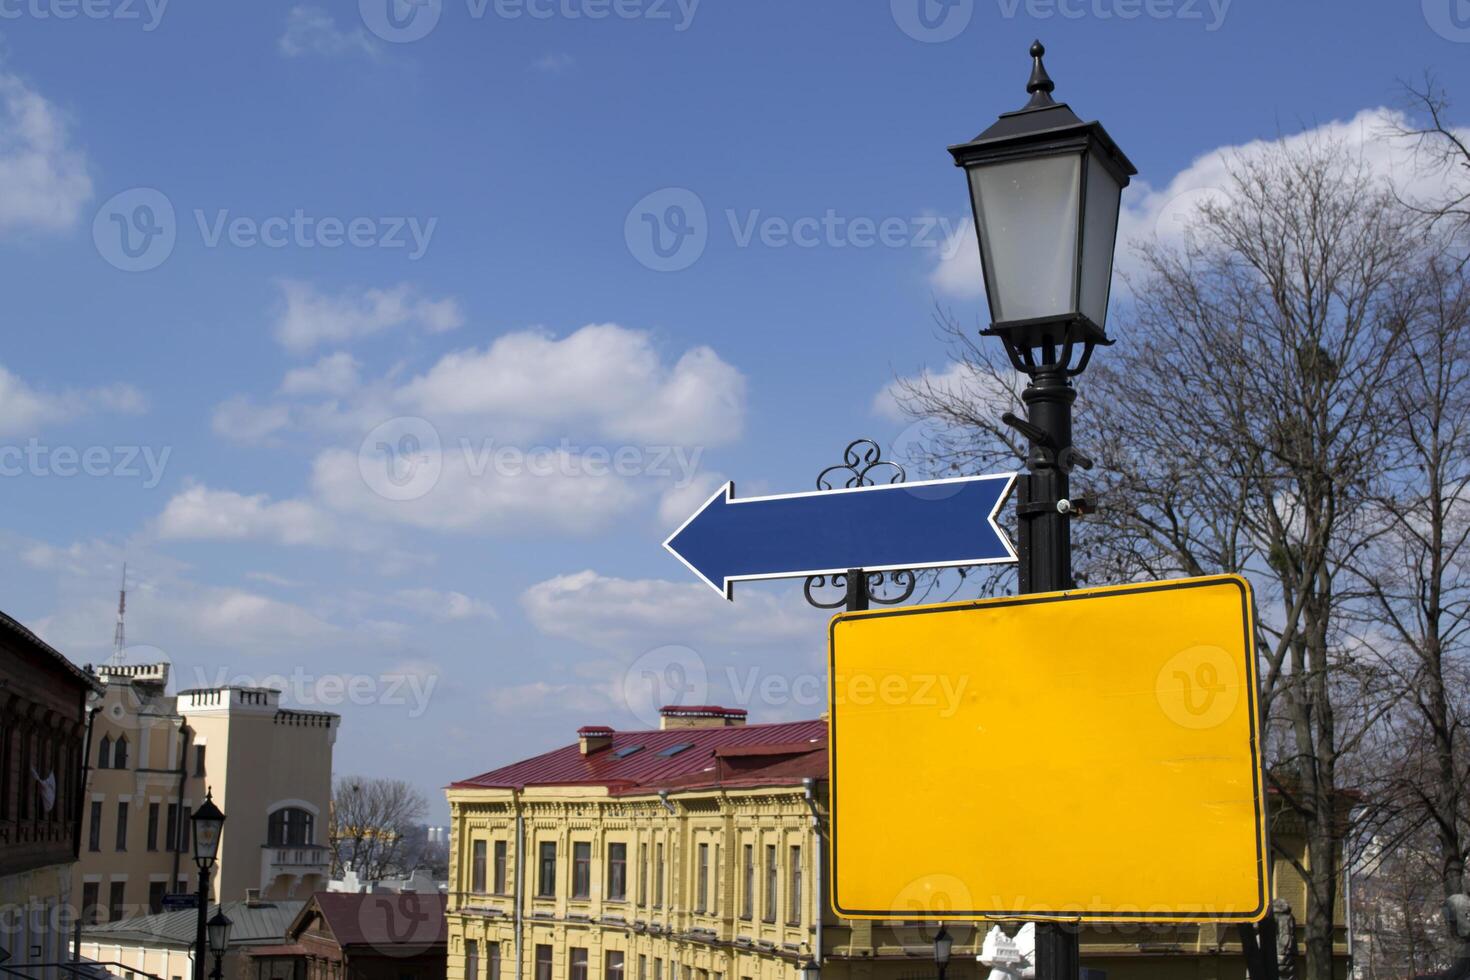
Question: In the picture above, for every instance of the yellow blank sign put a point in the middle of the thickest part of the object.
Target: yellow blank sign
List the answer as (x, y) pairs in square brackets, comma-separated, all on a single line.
[(1086, 755)]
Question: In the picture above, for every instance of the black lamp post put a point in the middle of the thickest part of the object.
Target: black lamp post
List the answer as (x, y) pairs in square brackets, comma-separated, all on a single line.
[(208, 822), (219, 941), (943, 945), (1046, 189)]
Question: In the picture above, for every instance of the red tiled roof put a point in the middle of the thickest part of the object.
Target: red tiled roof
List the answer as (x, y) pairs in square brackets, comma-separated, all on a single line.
[(746, 755), (403, 922)]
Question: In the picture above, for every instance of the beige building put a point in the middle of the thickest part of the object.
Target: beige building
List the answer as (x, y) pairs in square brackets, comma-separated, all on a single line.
[(697, 852), (154, 755)]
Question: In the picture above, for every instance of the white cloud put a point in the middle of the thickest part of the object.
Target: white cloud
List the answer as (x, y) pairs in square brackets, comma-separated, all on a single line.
[(1166, 210), (241, 420), (443, 605), (470, 495), (335, 374), (956, 379), (201, 514), (641, 614), (604, 376), (43, 177), (310, 317), (677, 503), (25, 408), (312, 30)]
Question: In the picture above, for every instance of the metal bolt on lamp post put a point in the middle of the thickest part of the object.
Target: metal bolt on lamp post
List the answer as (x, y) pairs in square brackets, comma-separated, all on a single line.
[(219, 941), (1046, 188), (208, 823), (943, 945)]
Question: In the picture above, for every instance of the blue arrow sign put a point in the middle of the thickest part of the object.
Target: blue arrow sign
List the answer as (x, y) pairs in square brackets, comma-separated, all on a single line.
[(930, 524)]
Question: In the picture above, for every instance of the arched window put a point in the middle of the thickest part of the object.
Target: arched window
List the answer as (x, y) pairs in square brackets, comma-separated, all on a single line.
[(291, 826), (120, 753), (104, 753)]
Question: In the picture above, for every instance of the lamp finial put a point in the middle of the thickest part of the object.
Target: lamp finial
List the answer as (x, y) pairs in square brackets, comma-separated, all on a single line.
[(1040, 85)]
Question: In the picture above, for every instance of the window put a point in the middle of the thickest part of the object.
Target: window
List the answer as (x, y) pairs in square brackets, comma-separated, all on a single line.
[(104, 753), (199, 760), (90, 901), (291, 826), (185, 826), (492, 953), (171, 827), (658, 877), (153, 826), (793, 888), (747, 897), (477, 868), (155, 896), (500, 867), (581, 869), (642, 873), (642, 967), (546, 880), (579, 963), (471, 960), (121, 843), (612, 965), (770, 911), (658, 969), (701, 889), (543, 953), (120, 753), (617, 872), (94, 831), (115, 900)]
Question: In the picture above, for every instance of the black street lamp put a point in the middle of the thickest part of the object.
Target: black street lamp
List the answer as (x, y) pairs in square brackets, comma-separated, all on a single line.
[(943, 944), (219, 941), (208, 822), (1046, 188)]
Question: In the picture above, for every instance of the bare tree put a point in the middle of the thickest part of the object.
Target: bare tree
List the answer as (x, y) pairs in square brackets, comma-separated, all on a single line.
[(371, 821), (1240, 429), (1442, 152)]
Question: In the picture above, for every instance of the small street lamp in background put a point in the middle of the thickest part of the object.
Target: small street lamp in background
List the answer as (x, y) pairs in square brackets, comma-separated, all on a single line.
[(943, 945), (810, 970), (1046, 188), (208, 822), (219, 941)]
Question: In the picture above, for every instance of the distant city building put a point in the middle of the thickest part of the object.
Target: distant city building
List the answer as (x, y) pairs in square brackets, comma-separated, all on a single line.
[(43, 710), (163, 944), (699, 852), (437, 835), (153, 757), (419, 881)]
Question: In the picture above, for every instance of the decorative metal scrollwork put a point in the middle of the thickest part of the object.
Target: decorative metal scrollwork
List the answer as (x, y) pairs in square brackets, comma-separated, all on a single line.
[(862, 465)]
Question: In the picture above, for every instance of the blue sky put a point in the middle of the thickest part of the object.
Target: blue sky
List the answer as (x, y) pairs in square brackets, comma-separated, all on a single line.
[(245, 246)]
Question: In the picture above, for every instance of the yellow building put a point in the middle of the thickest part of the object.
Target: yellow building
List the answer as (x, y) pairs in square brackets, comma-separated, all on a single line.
[(153, 756), (696, 852)]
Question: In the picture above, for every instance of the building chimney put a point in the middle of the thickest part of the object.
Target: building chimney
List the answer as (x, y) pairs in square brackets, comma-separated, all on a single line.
[(699, 716), (594, 738), (252, 897)]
